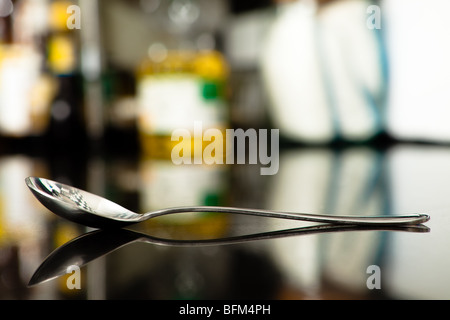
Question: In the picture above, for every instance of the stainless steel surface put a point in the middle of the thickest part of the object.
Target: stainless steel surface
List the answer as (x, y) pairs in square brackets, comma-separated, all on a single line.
[(94, 211)]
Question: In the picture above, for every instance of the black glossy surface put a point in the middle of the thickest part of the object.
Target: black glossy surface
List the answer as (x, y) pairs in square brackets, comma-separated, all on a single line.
[(192, 257)]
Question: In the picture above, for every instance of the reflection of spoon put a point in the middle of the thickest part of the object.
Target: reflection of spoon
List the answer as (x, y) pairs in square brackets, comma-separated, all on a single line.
[(95, 244), (94, 211)]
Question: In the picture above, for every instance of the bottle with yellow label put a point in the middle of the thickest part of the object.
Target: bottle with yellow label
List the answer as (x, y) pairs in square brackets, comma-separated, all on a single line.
[(181, 81)]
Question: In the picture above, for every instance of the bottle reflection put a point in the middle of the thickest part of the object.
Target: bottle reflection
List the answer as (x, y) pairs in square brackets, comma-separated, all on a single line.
[(165, 184), (22, 225), (346, 182), (420, 177)]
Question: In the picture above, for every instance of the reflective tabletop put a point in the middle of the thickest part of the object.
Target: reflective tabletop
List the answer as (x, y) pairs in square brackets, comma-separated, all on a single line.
[(223, 256)]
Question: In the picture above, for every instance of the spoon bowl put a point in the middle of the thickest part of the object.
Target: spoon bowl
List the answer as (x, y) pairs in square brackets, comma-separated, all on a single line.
[(94, 211), (80, 206)]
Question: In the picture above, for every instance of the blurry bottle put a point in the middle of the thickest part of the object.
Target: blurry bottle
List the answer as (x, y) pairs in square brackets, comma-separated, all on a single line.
[(329, 84), (419, 66), (182, 80), (67, 127), (25, 88)]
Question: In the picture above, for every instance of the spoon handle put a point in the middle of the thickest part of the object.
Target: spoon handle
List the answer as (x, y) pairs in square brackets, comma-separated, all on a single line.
[(411, 219)]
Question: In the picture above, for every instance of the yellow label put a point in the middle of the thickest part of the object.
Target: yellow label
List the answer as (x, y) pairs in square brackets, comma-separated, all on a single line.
[(62, 55)]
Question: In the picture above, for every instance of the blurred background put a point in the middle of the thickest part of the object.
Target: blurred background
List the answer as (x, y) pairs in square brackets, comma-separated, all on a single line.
[(91, 90)]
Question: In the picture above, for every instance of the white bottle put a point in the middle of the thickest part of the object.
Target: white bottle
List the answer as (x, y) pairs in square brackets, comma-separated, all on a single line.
[(418, 37), (323, 71)]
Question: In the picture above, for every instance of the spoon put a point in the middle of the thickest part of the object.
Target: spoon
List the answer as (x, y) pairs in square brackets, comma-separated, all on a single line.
[(94, 211)]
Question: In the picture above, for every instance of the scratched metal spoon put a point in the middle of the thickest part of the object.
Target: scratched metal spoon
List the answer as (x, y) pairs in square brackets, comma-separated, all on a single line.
[(94, 211)]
